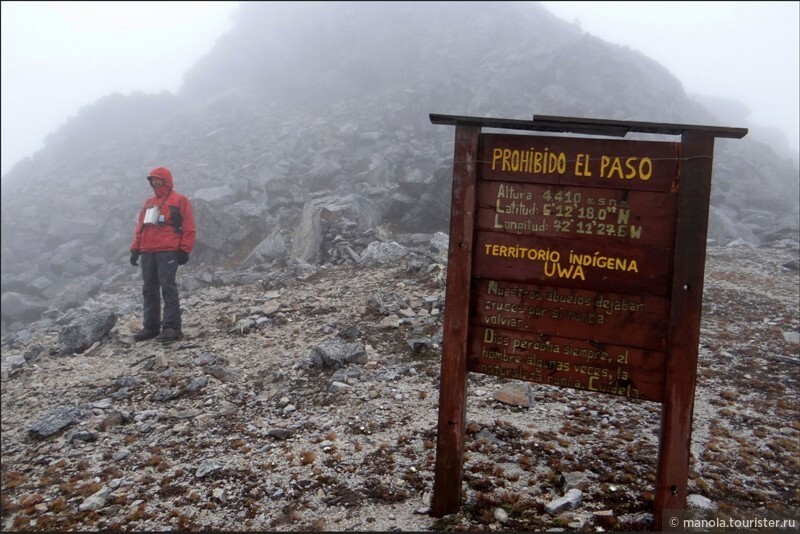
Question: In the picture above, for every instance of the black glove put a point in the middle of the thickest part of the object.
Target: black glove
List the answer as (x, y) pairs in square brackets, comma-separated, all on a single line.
[(183, 257), (134, 257)]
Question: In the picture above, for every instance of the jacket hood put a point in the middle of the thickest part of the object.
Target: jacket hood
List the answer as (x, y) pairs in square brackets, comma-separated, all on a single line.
[(164, 174)]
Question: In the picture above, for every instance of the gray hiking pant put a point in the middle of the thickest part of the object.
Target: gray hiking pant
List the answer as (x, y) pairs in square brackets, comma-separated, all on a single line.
[(158, 273)]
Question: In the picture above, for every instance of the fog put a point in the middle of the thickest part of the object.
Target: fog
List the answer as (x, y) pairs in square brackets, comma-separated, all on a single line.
[(745, 51), (60, 56)]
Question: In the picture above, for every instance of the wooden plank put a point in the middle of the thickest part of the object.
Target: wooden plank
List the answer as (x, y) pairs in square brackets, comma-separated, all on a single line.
[(633, 218), (633, 320), (684, 334), (646, 127), (453, 380), (516, 124), (574, 363), (608, 163), (572, 263), (550, 123)]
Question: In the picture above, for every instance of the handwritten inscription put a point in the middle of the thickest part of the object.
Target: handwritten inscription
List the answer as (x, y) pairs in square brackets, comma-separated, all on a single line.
[(616, 370), (600, 216), (641, 321), (551, 259), (533, 161), (571, 263), (577, 212), (635, 165)]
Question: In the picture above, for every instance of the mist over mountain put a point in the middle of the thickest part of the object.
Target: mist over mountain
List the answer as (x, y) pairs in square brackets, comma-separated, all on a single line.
[(310, 121)]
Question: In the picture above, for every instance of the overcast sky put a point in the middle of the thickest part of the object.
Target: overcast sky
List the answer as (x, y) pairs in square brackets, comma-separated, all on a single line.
[(60, 56), (746, 51)]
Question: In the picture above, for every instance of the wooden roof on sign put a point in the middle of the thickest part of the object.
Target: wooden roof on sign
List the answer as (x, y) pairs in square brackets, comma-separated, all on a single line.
[(551, 123)]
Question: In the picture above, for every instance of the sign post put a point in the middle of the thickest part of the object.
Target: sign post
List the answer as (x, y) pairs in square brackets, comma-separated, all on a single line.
[(453, 388), (687, 295), (576, 263)]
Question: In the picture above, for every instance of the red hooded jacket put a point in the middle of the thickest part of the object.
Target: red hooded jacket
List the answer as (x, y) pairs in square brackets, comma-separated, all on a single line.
[(175, 227)]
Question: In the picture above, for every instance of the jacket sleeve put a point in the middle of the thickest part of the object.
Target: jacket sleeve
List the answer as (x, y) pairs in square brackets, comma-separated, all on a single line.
[(137, 233), (188, 233)]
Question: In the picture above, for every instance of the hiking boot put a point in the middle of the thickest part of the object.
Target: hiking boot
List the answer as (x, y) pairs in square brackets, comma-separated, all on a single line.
[(145, 334), (169, 335)]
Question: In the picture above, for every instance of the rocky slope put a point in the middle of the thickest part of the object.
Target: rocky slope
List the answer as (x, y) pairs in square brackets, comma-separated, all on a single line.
[(306, 398), (306, 115)]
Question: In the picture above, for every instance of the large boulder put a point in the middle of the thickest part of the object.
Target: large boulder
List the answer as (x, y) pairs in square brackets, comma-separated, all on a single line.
[(22, 307), (270, 249), (79, 336), (323, 211), (219, 234)]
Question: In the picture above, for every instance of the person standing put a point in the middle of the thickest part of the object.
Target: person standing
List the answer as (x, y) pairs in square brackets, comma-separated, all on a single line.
[(163, 239)]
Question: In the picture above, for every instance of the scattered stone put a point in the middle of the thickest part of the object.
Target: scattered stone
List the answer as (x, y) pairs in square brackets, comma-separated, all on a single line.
[(378, 253), (82, 335), (516, 394), (197, 384), (222, 373), (792, 265), (145, 414), (387, 303), (97, 500), (786, 359), (280, 434), (81, 435), (389, 414), (104, 404), (575, 479), (11, 364), (32, 500), (226, 408), (34, 354), (207, 467), (208, 358), (164, 395), (54, 421), (637, 521), (699, 502), (485, 434), (339, 387), (336, 353), (391, 321), (420, 345), (570, 501), (128, 382)]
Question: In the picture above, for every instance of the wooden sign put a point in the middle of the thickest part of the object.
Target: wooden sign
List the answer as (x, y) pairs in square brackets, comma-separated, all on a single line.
[(632, 165), (567, 362), (579, 219), (576, 263)]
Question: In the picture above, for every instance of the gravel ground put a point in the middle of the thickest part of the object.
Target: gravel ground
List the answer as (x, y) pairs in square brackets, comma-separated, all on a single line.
[(234, 429)]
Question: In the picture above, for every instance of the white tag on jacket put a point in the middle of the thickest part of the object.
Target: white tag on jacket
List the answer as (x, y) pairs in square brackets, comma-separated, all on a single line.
[(151, 215)]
